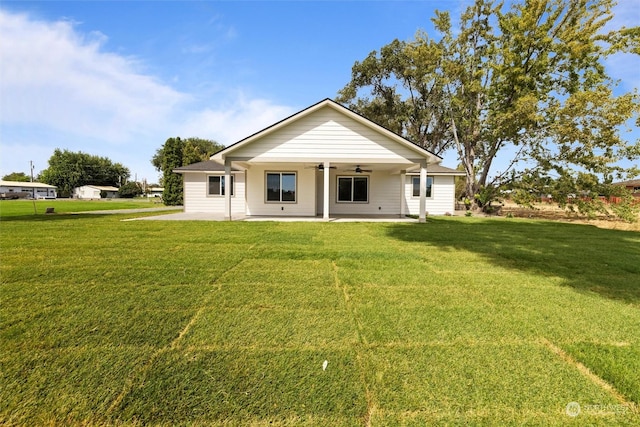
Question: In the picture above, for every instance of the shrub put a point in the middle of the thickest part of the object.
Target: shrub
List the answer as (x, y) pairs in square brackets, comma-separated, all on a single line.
[(129, 190)]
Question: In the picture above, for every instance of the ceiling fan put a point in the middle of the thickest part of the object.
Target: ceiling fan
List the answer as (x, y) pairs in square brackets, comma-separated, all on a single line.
[(358, 169), (319, 166)]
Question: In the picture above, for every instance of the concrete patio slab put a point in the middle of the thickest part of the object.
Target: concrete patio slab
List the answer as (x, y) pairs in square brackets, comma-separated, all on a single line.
[(202, 216)]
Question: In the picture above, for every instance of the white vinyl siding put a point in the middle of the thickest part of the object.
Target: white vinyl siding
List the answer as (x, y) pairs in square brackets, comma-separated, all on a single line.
[(442, 198), (327, 134), (384, 195), (196, 198)]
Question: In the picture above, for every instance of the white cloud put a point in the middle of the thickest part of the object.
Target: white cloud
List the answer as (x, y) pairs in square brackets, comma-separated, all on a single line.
[(54, 76), (62, 88)]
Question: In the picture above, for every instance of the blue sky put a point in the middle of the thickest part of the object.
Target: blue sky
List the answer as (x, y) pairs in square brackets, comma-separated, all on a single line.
[(118, 78)]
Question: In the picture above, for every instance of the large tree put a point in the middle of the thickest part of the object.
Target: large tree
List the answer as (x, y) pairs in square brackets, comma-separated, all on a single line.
[(193, 150), (176, 152), (527, 83), (68, 169)]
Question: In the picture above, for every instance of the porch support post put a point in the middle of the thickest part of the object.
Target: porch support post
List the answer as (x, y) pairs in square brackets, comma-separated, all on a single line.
[(227, 189), (325, 193), (403, 195), (422, 216)]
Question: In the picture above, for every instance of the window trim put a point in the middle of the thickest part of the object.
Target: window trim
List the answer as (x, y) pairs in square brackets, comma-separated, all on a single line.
[(281, 173), (233, 185), (351, 177), (413, 177)]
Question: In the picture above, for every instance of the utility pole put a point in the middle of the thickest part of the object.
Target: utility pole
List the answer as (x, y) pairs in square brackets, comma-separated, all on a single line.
[(33, 189)]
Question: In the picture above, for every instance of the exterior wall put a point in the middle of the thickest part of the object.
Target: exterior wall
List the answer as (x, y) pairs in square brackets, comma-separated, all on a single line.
[(442, 200), (305, 204), (384, 194), (326, 134), (155, 192), (196, 198), (46, 193), (250, 194), (86, 192), (29, 191)]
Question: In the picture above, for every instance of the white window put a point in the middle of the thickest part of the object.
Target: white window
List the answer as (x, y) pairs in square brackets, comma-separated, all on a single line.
[(281, 187), (416, 186), (217, 186), (353, 189)]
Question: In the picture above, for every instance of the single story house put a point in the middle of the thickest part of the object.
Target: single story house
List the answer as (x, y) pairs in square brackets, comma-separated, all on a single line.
[(95, 192), (155, 191), (325, 160), (631, 185), (27, 190)]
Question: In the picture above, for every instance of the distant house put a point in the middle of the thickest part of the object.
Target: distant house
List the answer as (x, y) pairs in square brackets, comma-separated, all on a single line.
[(632, 185), (95, 192), (322, 161), (155, 191), (27, 190)]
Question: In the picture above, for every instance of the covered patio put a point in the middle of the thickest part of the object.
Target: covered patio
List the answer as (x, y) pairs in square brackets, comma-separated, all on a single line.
[(207, 216)]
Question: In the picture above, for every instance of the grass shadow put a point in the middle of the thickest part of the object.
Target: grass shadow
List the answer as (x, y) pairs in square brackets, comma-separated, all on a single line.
[(589, 259)]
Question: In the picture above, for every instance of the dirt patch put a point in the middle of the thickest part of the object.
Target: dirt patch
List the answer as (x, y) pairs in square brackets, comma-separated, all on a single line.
[(553, 212)]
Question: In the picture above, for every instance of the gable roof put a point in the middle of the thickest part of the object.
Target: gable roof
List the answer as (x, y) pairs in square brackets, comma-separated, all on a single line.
[(25, 184), (420, 151), (101, 187)]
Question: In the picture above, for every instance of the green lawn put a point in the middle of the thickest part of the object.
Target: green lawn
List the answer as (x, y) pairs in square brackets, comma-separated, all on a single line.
[(456, 321), (30, 208)]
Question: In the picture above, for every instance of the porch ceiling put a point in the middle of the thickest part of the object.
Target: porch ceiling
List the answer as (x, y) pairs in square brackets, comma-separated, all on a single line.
[(374, 165)]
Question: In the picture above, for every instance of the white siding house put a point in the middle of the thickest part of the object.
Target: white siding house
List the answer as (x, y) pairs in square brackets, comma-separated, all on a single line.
[(36, 190), (325, 160), (95, 192), (154, 191)]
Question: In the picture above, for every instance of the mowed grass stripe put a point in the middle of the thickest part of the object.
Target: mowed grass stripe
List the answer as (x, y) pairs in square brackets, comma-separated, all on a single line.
[(64, 386), (248, 329), (234, 385), (459, 382), (586, 372), (362, 341), (138, 376)]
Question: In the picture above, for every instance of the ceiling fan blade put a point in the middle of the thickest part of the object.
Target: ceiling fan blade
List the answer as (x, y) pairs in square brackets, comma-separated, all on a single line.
[(321, 167)]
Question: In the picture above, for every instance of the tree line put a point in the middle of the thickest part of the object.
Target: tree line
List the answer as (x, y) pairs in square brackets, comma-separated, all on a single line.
[(68, 170)]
